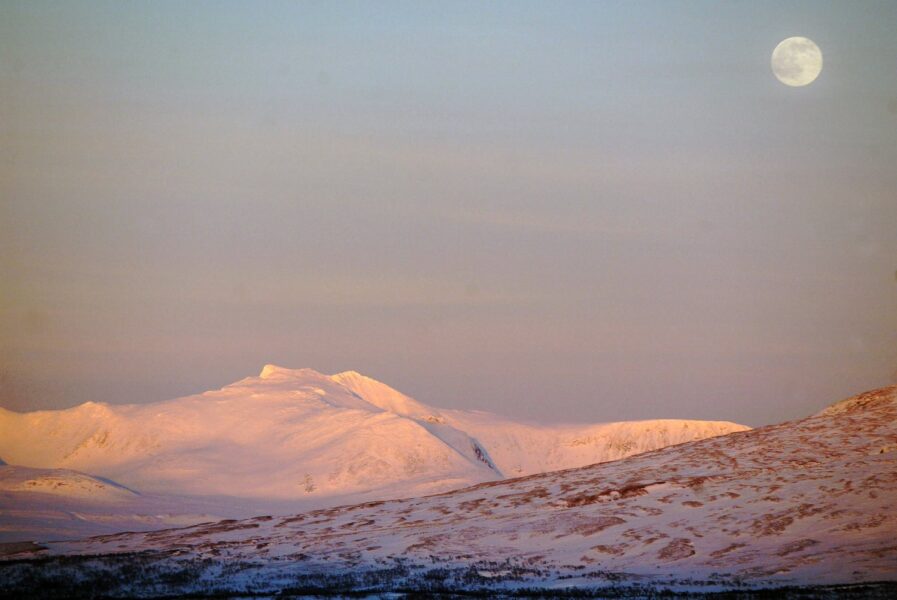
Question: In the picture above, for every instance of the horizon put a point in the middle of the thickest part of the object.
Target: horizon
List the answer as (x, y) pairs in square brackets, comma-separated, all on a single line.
[(573, 212), (269, 369)]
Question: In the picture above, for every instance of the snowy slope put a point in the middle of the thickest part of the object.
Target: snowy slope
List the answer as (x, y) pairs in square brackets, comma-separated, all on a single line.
[(61, 482), (808, 502), (56, 504), (60, 503), (520, 449), (517, 448), (295, 434)]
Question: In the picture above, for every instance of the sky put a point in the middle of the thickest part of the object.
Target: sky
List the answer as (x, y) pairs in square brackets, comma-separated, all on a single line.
[(560, 211)]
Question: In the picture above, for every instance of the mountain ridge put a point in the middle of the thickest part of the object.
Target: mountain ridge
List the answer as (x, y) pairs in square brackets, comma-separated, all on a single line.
[(303, 435)]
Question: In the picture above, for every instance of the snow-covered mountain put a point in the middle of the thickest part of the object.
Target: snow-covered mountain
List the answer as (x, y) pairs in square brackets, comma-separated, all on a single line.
[(804, 503), (300, 435)]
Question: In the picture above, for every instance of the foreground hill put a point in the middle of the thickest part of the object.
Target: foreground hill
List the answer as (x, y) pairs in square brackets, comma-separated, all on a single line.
[(805, 503), (300, 435)]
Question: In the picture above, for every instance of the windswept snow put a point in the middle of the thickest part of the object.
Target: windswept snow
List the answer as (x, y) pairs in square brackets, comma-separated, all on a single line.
[(803, 503)]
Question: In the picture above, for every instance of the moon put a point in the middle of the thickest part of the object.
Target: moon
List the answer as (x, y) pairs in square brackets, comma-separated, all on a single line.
[(797, 61)]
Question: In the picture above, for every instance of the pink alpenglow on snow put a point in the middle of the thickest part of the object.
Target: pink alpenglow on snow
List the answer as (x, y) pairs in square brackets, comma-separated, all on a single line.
[(288, 440), (804, 503)]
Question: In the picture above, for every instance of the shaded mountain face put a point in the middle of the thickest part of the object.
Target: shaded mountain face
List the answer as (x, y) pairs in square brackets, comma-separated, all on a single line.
[(807, 502), (296, 434), (56, 504), (61, 482), (60, 504)]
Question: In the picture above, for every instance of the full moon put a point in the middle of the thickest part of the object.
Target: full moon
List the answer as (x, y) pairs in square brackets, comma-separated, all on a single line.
[(797, 61)]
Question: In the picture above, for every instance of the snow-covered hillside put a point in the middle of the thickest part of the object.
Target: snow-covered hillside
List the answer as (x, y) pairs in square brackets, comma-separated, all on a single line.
[(520, 449), (809, 502), (300, 435), (517, 448), (61, 482), (55, 504)]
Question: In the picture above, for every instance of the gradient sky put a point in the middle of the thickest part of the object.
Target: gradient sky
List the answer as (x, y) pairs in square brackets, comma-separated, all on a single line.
[(561, 211)]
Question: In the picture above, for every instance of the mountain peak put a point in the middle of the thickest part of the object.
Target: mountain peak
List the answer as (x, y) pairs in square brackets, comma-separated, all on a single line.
[(383, 396), (270, 371), (349, 375)]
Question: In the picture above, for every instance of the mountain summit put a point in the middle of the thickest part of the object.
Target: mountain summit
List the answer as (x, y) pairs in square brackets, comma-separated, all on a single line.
[(272, 371)]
